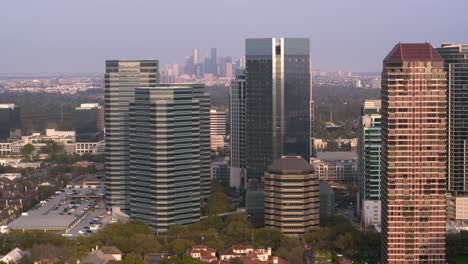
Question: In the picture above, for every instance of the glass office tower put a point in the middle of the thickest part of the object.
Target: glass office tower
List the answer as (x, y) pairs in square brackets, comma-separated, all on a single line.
[(88, 123), (10, 125), (278, 99), (121, 79), (237, 110), (169, 154), (456, 65)]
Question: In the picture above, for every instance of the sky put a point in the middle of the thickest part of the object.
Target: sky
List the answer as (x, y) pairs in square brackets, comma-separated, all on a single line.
[(77, 36)]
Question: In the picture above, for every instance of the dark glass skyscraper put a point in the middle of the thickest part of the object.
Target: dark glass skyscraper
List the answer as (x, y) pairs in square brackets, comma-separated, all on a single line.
[(121, 79), (278, 101), (456, 65), (10, 125), (237, 98), (88, 123)]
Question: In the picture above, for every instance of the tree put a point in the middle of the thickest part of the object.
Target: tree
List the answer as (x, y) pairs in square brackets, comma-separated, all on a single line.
[(183, 260), (132, 259), (47, 253), (268, 237), (346, 244), (179, 246), (321, 238), (218, 203), (27, 150), (291, 250), (237, 261), (237, 232), (212, 221), (143, 244)]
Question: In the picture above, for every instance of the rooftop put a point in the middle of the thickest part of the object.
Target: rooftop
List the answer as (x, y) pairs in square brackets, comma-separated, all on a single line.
[(87, 106), (58, 213), (110, 250), (7, 106), (291, 163), (337, 155), (413, 52)]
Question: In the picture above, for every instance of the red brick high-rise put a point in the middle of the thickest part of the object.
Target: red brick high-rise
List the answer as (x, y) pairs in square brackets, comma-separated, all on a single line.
[(413, 155)]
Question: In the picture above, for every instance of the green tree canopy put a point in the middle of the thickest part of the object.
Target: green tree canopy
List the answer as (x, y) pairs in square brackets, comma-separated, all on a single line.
[(27, 150)]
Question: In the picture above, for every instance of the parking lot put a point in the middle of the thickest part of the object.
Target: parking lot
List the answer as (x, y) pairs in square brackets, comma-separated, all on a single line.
[(90, 222), (67, 212)]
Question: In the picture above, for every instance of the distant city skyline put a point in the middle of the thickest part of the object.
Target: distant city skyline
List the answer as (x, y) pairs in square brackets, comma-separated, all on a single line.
[(55, 36)]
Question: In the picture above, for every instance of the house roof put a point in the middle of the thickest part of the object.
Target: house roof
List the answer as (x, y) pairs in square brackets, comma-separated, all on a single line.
[(413, 52), (13, 256), (110, 250)]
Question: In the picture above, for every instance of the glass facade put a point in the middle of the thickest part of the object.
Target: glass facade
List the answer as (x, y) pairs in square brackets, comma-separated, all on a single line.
[(297, 98), (456, 65), (88, 124), (237, 113), (169, 154), (369, 148), (121, 79), (10, 122), (278, 99)]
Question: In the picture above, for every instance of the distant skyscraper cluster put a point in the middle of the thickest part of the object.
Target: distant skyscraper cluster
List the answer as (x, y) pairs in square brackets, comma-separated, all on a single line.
[(196, 67)]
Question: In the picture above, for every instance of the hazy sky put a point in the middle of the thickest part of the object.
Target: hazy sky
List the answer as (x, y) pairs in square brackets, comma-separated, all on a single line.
[(45, 36)]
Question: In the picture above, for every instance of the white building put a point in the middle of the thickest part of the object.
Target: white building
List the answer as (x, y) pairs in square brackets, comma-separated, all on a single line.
[(457, 207), (13, 256), (217, 128), (336, 166), (89, 147), (58, 133), (10, 148)]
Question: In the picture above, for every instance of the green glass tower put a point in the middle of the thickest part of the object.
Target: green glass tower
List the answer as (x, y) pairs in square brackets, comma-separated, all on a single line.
[(369, 147)]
